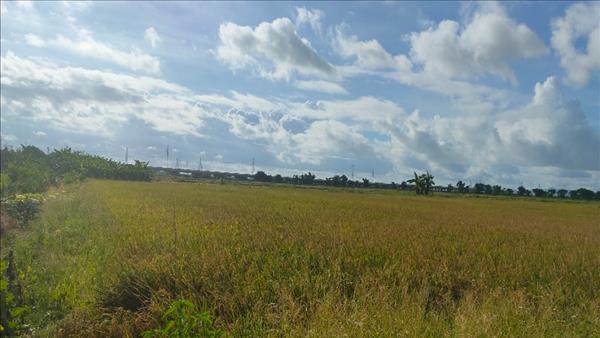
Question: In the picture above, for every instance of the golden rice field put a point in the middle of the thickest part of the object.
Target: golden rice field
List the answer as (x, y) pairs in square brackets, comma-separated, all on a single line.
[(107, 258)]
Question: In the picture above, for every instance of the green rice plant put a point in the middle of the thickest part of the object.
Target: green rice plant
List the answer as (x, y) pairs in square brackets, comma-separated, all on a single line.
[(181, 320)]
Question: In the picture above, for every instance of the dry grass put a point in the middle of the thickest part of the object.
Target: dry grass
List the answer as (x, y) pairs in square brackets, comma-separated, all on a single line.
[(281, 261)]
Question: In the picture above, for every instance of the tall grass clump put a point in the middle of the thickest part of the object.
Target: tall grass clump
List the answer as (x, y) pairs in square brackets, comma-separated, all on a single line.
[(111, 258)]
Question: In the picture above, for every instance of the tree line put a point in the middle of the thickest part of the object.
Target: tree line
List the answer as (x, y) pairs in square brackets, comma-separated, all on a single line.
[(424, 184), (29, 170)]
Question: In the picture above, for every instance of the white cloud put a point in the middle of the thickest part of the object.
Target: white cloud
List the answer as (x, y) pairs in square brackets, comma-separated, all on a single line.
[(26, 4), (87, 46), (151, 36), (3, 8), (370, 55), (94, 102), (320, 86), (580, 20), (312, 17), (486, 44), (151, 148), (273, 49), (39, 133), (34, 40)]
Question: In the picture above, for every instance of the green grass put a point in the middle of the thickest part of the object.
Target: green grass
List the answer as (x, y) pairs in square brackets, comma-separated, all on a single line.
[(107, 259)]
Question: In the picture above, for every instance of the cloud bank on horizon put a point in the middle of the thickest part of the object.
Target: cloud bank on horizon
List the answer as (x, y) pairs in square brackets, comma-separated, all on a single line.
[(479, 92)]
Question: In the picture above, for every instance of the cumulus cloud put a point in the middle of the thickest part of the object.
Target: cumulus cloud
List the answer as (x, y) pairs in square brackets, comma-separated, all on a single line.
[(370, 55), (311, 17), (273, 49), (151, 36), (34, 40), (39, 133), (92, 101), (486, 44), (320, 86), (87, 46), (580, 20)]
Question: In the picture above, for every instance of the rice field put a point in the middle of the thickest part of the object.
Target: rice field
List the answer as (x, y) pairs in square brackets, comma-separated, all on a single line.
[(107, 258)]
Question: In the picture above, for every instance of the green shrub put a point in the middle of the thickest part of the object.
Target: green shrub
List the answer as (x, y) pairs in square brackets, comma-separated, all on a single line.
[(182, 319), (23, 207), (10, 311)]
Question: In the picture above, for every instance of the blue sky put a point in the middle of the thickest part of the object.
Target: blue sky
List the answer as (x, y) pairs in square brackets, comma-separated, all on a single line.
[(505, 93)]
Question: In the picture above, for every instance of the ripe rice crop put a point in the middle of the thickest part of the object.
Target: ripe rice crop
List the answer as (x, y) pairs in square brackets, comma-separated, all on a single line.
[(108, 258)]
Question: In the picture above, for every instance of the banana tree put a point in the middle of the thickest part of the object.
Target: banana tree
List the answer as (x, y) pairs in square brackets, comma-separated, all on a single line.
[(423, 183)]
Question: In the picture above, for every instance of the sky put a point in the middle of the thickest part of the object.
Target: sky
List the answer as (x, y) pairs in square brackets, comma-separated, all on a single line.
[(500, 93)]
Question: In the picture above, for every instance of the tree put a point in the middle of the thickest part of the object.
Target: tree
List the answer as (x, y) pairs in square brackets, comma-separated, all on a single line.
[(460, 185), (307, 178), (539, 192), (449, 188), (365, 182), (551, 192), (479, 187), (582, 194), (497, 190), (508, 192), (521, 191), (423, 183), (261, 176), (403, 185), (488, 189), (277, 178), (562, 193)]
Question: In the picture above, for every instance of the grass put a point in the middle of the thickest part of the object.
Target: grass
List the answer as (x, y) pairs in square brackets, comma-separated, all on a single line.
[(107, 259)]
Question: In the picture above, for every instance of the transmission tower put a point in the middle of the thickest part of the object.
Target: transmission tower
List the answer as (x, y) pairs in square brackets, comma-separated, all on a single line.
[(167, 155), (176, 163), (200, 163), (352, 171)]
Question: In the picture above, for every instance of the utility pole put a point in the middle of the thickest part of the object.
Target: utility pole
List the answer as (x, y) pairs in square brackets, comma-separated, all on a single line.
[(373, 173), (352, 171), (253, 165), (126, 155), (200, 163), (47, 150)]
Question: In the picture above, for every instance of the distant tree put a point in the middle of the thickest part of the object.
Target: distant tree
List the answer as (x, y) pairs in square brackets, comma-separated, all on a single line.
[(423, 183), (582, 194), (449, 188), (307, 178), (460, 185), (597, 195), (551, 192), (479, 188), (277, 178), (365, 182), (393, 185), (403, 185), (508, 192), (561, 193), (521, 191), (497, 190), (487, 189), (539, 192), (261, 176)]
